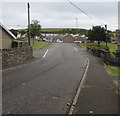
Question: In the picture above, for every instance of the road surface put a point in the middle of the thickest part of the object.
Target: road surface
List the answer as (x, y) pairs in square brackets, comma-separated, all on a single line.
[(45, 86)]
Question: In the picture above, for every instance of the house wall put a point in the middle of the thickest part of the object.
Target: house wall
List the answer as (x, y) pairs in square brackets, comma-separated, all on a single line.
[(5, 39), (68, 39)]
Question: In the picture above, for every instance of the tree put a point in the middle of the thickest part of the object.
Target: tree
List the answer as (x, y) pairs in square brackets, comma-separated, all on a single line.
[(35, 28), (22, 32), (99, 34), (15, 32)]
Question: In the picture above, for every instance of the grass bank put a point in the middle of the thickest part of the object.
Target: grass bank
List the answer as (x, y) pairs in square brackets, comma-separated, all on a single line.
[(39, 44), (113, 69), (112, 47), (35, 44)]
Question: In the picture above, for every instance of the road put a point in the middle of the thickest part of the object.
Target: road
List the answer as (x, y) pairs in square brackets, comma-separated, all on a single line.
[(45, 86)]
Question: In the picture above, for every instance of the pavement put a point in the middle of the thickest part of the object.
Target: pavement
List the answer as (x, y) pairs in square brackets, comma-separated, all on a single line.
[(45, 86), (99, 93)]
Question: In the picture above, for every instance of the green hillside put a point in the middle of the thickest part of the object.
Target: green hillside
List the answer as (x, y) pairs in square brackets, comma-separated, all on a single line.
[(61, 30)]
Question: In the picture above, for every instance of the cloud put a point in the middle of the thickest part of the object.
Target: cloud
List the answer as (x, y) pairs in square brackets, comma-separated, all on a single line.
[(60, 14), (59, 0)]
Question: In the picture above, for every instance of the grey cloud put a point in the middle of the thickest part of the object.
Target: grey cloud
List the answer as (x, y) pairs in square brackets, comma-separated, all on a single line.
[(58, 14)]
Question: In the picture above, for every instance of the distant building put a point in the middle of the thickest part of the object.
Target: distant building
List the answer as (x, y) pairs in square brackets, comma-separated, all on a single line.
[(6, 37), (53, 38), (80, 39), (68, 39), (114, 40)]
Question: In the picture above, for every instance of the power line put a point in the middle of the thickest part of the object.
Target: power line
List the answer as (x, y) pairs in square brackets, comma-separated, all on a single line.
[(84, 12), (80, 9)]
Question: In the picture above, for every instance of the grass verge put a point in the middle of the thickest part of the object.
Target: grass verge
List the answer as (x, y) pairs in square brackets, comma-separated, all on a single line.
[(35, 44), (112, 47), (113, 69), (39, 44)]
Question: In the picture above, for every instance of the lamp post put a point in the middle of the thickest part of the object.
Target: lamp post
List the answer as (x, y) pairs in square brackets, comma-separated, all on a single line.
[(106, 33), (28, 24), (76, 22)]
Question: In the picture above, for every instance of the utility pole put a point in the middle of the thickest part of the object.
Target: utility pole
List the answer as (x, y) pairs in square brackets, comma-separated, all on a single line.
[(106, 33), (28, 24), (76, 22)]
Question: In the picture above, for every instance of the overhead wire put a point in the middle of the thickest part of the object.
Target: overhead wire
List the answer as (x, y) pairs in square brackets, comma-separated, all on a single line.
[(79, 9), (84, 12)]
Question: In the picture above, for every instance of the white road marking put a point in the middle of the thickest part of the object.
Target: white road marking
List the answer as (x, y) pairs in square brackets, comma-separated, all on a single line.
[(45, 54), (76, 49), (80, 86)]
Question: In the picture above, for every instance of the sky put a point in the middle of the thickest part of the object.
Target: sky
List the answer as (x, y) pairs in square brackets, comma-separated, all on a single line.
[(60, 14)]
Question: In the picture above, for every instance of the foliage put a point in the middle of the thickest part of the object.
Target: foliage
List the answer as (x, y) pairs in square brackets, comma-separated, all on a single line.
[(113, 69), (22, 32), (65, 31), (15, 32), (60, 31), (19, 41), (98, 33), (112, 47), (83, 44), (94, 46), (35, 28)]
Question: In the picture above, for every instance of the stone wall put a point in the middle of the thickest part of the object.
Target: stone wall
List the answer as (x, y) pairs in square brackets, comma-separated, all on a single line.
[(16, 56), (107, 57)]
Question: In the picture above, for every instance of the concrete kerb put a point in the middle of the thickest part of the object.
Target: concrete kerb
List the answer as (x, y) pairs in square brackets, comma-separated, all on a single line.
[(79, 88)]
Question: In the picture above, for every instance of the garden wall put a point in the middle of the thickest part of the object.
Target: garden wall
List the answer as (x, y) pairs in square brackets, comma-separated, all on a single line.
[(107, 57), (16, 56)]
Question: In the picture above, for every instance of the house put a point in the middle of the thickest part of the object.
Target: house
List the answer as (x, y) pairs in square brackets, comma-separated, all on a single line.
[(49, 38), (114, 40), (80, 39), (54, 38), (6, 37), (68, 39)]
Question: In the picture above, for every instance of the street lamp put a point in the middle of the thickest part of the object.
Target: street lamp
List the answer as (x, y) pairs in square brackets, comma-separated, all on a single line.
[(76, 22), (106, 33), (28, 24)]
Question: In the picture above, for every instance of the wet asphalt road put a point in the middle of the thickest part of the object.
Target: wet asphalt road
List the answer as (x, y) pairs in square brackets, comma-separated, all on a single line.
[(46, 86)]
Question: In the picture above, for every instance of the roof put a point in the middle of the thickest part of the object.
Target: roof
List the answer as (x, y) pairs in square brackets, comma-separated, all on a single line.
[(68, 36), (11, 34), (54, 37), (79, 38), (114, 38)]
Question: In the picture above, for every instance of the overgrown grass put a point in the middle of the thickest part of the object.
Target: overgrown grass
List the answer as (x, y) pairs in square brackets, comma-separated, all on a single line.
[(19, 41), (112, 47), (84, 44), (113, 69), (38, 44)]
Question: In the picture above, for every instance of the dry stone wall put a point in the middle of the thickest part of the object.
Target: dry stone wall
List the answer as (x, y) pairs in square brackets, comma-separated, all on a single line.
[(16, 56)]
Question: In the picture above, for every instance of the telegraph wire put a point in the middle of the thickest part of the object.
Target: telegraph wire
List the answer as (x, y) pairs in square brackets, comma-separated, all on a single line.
[(101, 23), (79, 9)]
